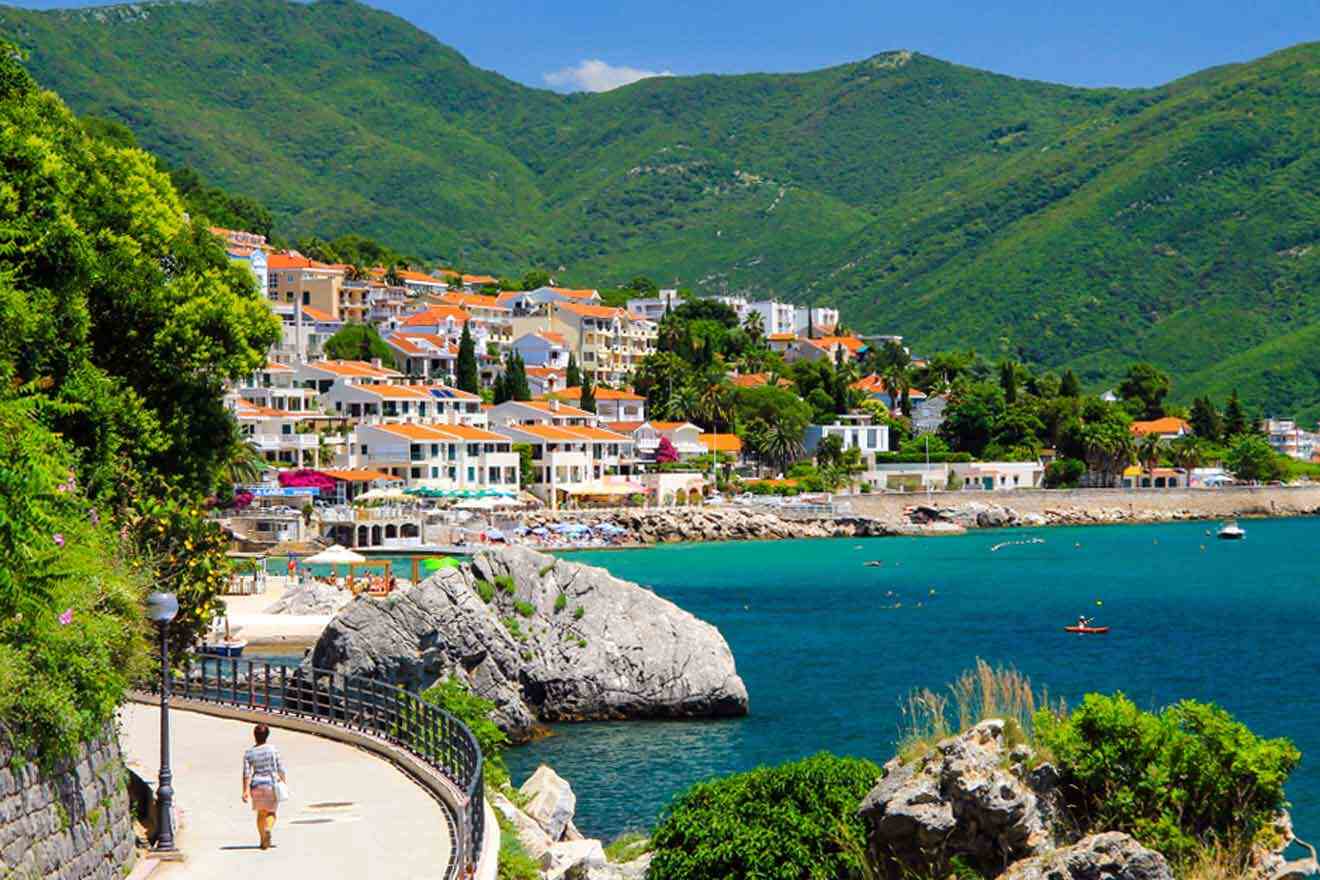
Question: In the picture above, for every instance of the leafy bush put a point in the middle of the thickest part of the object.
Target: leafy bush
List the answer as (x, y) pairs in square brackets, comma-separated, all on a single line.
[(1064, 473), (578, 612), (561, 602), (485, 589), (514, 628), (1178, 780), (797, 820), (505, 583), (526, 609), (72, 630), (454, 697)]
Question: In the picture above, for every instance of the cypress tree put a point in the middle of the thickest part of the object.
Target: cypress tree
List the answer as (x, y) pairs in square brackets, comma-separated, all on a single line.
[(1070, 387), (517, 385), (500, 391), (469, 379), (588, 401), (1235, 417), (1205, 419), (573, 376)]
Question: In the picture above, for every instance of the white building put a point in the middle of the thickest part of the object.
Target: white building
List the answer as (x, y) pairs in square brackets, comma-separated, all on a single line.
[(818, 320), (1288, 439), (654, 308), (445, 456), (543, 348), (776, 317)]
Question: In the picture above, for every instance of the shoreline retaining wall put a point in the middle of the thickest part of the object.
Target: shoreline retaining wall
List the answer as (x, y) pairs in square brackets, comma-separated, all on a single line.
[(69, 823), (1209, 503)]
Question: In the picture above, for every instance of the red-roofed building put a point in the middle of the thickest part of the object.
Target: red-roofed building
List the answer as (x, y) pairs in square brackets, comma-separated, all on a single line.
[(612, 405)]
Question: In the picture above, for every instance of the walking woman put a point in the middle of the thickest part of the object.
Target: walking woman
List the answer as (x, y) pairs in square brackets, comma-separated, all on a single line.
[(261, 768)]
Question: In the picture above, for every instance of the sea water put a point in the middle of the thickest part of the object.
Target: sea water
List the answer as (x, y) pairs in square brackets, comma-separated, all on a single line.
[(827, 655)]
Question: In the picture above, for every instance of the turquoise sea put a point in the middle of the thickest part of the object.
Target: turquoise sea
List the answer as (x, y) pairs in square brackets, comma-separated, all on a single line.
[(826, 659)]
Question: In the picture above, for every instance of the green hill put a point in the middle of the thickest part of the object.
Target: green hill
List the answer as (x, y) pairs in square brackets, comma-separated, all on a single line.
[(1066, 226)]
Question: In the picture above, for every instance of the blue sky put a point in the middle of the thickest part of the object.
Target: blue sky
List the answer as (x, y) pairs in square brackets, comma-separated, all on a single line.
[(598, 43)]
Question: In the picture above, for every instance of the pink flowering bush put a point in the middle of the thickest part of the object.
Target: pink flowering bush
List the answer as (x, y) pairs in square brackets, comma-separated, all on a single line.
[(72, 631)]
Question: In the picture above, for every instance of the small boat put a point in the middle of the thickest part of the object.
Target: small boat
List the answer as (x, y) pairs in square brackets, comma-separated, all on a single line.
[(1231, 531), (873, 563), (217, 645), (1087, 630)]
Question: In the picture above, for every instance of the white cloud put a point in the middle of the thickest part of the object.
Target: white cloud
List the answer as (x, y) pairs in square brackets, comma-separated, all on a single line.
[(594, 75)]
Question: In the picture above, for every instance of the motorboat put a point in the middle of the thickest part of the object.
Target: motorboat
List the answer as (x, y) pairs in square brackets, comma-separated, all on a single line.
[(1231, 531), (221, 644)]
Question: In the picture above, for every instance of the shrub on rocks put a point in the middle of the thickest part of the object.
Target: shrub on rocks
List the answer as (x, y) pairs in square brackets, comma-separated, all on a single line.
[(1178, 780), (796, 820)]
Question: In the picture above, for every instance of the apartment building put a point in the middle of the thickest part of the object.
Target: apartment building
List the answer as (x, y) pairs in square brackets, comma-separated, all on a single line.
[(776, 317), (320, 375), (275, 435), (424, 355), (815, 321), (543, 348), (609, 344), (446, 456), (655, 307), (273, 387), (1286, 438), (294, 279), (612, 404)]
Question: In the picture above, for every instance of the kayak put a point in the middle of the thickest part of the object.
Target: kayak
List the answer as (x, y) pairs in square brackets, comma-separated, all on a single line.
[(1087, 630)]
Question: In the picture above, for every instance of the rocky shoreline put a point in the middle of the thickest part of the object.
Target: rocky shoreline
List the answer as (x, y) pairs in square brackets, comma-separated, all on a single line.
[(708, 524)]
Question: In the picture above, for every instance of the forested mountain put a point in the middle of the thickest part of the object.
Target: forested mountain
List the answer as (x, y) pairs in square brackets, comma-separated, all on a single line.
[(1065, 226)]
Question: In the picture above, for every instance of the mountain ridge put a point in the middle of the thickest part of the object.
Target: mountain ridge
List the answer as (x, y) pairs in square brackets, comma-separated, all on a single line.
[(1068, 226)]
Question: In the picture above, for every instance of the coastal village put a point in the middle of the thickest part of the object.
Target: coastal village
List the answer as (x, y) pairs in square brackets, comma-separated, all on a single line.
[(547, 414)]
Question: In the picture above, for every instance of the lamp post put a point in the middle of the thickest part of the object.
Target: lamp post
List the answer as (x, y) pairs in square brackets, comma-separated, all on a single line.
[(161, 608)]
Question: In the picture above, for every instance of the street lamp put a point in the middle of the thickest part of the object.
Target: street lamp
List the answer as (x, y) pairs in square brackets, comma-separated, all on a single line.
[(161, 608)]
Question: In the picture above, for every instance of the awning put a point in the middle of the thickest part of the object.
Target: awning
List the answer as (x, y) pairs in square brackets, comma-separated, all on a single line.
[(597, 487)]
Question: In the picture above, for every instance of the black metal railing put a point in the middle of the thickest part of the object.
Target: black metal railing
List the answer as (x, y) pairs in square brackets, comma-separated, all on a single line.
[(385, 711)]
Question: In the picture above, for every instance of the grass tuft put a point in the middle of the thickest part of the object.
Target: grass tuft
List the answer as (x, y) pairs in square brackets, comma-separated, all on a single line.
[(627, 846)]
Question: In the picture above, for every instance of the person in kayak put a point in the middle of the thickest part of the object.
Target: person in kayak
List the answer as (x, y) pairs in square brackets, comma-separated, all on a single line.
[(1083, 621)]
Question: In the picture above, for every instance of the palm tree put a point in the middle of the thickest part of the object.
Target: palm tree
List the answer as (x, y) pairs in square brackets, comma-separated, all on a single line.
[(713, 398), (1148, 450), (782, 444), (682, 405), (1108, 448), (243, 464), (754, 326), (898, 382), (392, 276), (1186, 452)]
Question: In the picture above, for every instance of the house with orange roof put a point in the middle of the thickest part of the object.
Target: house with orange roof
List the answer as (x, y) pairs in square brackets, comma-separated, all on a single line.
[(543, 348), (609, 344), (567, 458), (321, 374), (478, 305), (420, 283), (539, 412), (543, 380), (273, 386), (780, 343), (441, 455), (873, 386), (1167, 428), (757, 380), (685, 437), (612, 404), (293, 279), (275, 434), (832, 348), (529, 302), (379, 402), (424, 355)]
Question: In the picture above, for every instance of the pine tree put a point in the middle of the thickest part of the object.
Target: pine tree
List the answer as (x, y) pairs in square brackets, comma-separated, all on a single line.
[(588, 401), (1205, 419), (1235, 417), (573, 377), (469, 379), (1070, 387), (517, 384)]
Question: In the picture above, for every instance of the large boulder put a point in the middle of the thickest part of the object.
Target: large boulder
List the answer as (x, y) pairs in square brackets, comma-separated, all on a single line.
[(550, 801), (557, 641), (573, 859), (974, 796), (314, 597), (530, 834), (1109, 856)]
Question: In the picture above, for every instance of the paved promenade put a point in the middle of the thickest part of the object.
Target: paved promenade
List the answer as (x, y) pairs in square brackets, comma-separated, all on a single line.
[(351, 815)]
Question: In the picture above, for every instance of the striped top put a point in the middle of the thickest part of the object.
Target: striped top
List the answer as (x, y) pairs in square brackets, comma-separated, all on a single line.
[(261, 765)]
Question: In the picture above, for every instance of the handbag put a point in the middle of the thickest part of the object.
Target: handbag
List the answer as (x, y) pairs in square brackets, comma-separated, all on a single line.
[(281, 792)]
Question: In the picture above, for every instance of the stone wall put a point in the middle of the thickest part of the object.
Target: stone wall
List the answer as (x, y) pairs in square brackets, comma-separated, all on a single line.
[(1207, 503), (71, 823)]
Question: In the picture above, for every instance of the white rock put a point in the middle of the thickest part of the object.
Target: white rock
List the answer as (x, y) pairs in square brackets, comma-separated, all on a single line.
[(572, 858), (552, 801), (530, 834)]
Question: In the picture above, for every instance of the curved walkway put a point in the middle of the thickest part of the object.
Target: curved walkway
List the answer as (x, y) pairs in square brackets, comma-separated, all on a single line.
[(351, 815)]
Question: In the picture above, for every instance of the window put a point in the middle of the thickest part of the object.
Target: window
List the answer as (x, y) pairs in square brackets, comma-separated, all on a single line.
[(471, 474), (364, 449), (286, 428), (307, 298)]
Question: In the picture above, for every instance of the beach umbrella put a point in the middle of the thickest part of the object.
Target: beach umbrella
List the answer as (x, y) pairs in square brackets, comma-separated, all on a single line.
[(336, 554), (383, 495), (432, 565)]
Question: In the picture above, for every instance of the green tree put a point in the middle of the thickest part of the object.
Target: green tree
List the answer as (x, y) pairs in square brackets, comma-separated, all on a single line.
[(526, 464), (1108, 448), (1008, 380), (573, 375), (1187, 451), (798, 820), (971, 415), (357, 342), (1236, 421), (1205, 419), (1251, 458), (468, 377), (1144, 388), (588, 397), (474, 711), (519, 389), (1069, 386), (535, 278), (829, 451)]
